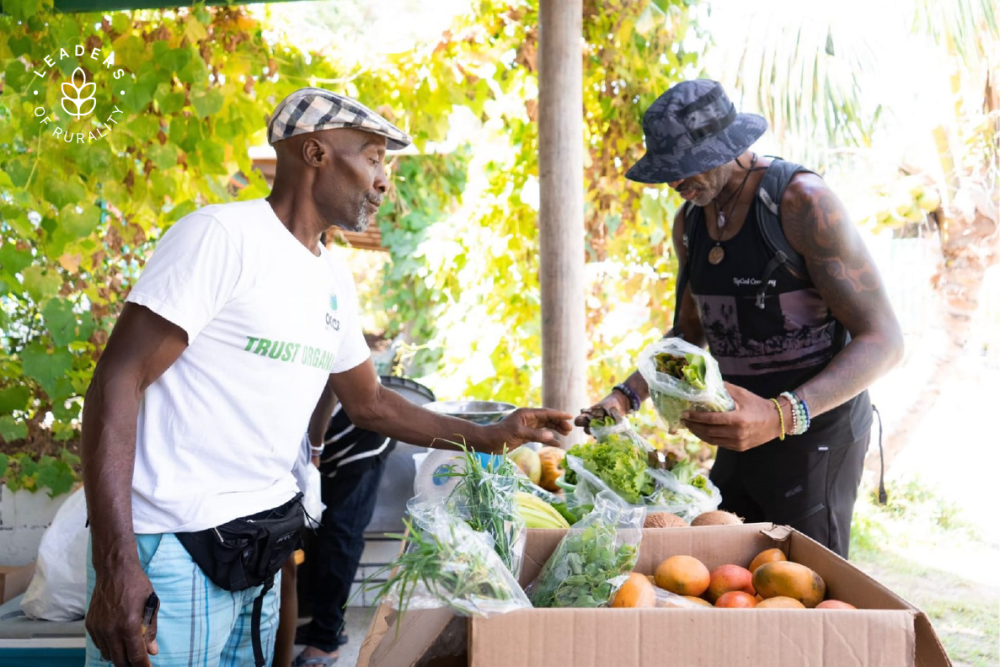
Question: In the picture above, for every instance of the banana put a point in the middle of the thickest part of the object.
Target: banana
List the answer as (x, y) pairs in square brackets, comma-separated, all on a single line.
[(537, 513)]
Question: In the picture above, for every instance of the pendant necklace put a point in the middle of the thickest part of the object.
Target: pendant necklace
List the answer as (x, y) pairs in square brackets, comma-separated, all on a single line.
[(718, 253)]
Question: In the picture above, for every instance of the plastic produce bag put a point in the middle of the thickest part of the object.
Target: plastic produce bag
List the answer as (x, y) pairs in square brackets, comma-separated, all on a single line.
[(666, 599), (618, 456), (486, 497), (685, 500), (682, 377), (594, 559), (58, 591), (669, 494), (310, 484), (621, 431), (622, 463), (448, 564)]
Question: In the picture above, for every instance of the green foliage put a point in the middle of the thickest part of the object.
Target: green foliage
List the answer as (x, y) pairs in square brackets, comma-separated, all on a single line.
[(79, 217), (464, 278), (55, 475), (914, 511)]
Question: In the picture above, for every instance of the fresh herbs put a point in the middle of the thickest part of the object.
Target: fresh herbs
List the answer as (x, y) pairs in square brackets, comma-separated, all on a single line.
[(447, 564), (487, 499), (592, 560)]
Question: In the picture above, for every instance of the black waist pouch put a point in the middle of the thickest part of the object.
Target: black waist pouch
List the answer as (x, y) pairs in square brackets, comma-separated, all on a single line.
[(248, 552)]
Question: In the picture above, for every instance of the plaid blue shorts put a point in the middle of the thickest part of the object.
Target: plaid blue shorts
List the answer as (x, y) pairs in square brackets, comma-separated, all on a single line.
[(198, 623)]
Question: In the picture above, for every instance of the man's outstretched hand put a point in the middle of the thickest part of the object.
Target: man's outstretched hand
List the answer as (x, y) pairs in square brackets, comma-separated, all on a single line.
[(530, 425)]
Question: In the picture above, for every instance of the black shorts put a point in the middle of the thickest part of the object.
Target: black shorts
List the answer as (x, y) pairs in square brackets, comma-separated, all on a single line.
[(811, 489)]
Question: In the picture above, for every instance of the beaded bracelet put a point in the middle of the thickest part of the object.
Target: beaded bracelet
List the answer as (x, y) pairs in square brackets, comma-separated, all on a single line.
[(633, 398), (800, 413)]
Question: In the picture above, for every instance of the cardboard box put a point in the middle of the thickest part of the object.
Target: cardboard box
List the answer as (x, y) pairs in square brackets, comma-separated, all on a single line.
[(14, 580), (885, 630)]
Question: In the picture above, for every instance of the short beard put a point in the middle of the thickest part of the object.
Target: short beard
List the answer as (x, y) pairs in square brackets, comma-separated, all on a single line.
[(361, 224)]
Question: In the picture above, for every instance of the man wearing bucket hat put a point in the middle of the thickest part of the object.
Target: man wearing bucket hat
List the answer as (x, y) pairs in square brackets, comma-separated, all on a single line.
[(776, 281), (197, 407)]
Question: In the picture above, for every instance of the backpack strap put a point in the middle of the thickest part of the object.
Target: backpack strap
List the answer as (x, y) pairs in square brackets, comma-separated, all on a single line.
[(691, 226), (772, 188)]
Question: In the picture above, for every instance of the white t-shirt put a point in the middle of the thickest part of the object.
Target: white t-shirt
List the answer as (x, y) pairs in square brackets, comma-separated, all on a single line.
[(267, 322)]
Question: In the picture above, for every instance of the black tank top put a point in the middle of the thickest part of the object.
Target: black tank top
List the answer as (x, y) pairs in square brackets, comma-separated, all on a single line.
[(775, 348)]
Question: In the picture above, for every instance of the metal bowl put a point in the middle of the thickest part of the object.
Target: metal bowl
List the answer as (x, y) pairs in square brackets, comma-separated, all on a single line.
[(478, 412)]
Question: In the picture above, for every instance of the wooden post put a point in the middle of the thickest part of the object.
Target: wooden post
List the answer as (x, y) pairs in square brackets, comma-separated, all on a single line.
[(561, 232)]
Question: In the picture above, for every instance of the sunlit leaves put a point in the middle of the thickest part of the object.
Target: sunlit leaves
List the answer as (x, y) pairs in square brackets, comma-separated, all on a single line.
[(207, 103), (64, 324), (78, 217)]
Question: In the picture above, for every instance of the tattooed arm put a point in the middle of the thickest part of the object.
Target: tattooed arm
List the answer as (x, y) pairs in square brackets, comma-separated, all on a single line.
[(818, 227)]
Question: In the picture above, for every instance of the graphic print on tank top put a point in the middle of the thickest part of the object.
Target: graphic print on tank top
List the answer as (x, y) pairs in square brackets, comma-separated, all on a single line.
[(793, 331)]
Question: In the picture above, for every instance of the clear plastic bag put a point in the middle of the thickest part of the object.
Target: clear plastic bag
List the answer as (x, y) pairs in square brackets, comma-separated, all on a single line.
[(619, 456), (537, 491), (694, 382), (621, 430), (594, 558), (685, 500), (487, 499), (448, 564), (666, 599), (668, 495)]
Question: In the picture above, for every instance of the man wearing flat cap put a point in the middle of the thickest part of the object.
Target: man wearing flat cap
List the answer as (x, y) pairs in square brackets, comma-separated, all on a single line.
[(198, 405), (776, 282)]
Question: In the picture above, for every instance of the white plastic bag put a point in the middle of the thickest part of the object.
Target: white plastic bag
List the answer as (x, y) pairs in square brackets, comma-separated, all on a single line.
[(310, 484), (696, 385), (58, 591)]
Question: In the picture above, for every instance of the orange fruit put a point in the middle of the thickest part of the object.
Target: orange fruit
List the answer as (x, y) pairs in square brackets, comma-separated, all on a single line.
[(683, 575), (766, 556), (700, 601), (635, 592), (780, 602), (784, 578), (835, 604), (727, 578), (736, 600)]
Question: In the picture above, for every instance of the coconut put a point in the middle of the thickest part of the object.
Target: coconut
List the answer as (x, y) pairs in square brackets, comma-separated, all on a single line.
[(717, 518), (664, 520)]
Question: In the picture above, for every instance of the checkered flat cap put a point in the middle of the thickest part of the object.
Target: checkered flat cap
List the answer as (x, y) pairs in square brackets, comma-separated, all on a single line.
[(314, 109)]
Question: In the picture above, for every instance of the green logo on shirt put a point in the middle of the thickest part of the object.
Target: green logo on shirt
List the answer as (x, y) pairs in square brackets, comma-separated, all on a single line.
[(333, 302), (289, 352)]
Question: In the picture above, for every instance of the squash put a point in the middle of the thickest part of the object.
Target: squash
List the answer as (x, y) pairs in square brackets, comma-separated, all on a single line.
[(551, 458)]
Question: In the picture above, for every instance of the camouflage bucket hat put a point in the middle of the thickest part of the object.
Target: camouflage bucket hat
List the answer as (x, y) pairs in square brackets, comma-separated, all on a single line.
[(691, 128)]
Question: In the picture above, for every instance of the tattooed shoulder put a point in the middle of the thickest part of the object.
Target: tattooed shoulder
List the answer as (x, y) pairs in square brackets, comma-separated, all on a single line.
[(819, 228)]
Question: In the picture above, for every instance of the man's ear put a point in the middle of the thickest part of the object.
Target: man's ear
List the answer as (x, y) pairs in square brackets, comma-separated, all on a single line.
[(314, 153)]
